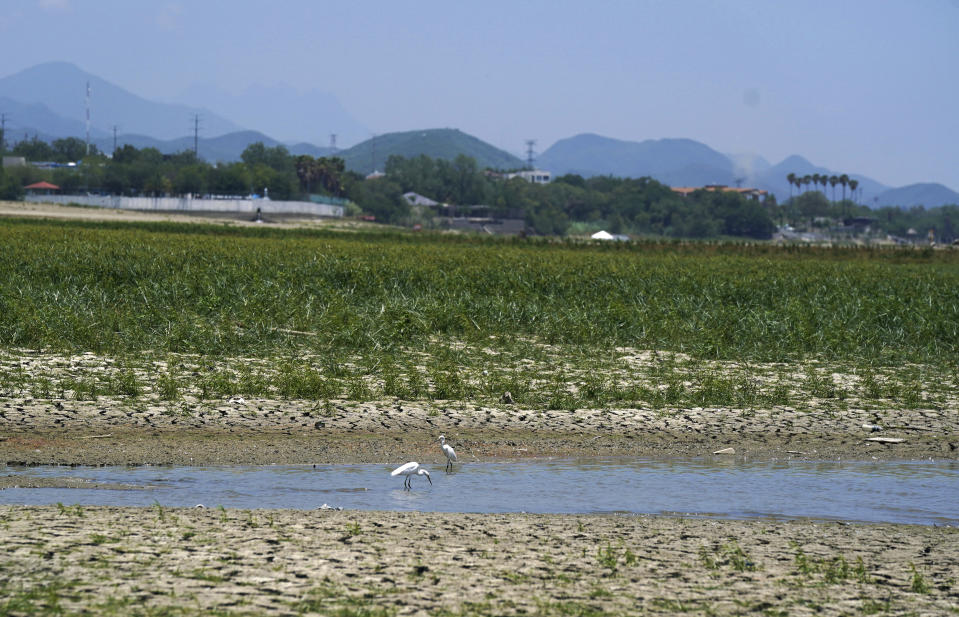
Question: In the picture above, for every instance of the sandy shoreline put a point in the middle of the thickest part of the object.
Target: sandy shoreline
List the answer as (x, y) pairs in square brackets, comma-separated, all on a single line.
[(280, 562)]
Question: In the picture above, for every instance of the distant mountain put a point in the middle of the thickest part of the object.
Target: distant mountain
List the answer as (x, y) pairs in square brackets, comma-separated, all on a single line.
[(435, 143), (684, 162), (930, 195), (25, 120), (61, 87), (225, 148), (774, 180), (310, 149), (283, 112), (592, 155), (48, 101)]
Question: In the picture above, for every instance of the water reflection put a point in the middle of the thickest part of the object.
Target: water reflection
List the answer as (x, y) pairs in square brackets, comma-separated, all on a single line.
[(910, 492)]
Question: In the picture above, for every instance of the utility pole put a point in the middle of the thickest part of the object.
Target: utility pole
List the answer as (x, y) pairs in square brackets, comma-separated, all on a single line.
[(88, 118), (114, 138), (333, 142), (196, 135)]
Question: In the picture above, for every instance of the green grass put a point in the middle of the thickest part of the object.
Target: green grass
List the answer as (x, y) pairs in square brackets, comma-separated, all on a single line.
[(189, 309)]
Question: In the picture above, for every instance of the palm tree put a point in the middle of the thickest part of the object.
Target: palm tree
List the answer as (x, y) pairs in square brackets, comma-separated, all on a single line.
[(807, 179), (844, 180), (853, 185), (791, 179), (833, 181)]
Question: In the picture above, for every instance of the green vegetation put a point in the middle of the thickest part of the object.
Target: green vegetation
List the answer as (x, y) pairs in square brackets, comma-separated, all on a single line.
[(640, 206), (217, 291), (467, 173), (442, 144), (184, 314)]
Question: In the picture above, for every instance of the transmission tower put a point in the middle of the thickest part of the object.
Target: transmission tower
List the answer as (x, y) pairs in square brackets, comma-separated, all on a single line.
[(333, 142), (196, 135), (529, 153)]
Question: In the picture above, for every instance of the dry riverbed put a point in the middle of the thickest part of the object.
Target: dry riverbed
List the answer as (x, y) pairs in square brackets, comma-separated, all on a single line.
[(73, 560), (70, 560)]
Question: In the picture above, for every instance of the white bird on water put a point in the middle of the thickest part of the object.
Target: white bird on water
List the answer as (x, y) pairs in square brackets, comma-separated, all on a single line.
[(449, 452), (409, 470)]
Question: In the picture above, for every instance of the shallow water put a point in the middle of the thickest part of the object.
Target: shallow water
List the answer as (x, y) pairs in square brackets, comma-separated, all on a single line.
[(923, 492)]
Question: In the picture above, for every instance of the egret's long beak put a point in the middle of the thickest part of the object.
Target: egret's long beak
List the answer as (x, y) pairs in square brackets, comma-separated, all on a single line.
[(431, 481)]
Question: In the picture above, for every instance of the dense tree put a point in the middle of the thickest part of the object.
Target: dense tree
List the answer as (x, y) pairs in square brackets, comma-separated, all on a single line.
[(71, 149), (34, 150), (324, 174), (190, 179), (277, 158), (812, 205), (382, 198)]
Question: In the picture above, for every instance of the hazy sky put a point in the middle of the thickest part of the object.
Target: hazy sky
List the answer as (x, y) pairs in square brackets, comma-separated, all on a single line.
[(859, 86)]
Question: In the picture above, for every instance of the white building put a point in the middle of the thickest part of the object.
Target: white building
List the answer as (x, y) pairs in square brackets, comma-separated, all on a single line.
[(536, 176)]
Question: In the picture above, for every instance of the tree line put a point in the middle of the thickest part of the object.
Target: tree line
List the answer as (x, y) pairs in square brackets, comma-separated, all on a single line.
[(815, 180), (570, 203), (622, 205), (131, 171)]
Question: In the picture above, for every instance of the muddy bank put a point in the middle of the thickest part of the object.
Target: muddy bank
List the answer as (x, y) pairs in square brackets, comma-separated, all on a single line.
[(239, 431), (20, 481), (133, 446), (280, 562)]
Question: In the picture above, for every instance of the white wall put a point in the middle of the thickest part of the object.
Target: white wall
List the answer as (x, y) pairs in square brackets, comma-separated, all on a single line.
[(185, 204)]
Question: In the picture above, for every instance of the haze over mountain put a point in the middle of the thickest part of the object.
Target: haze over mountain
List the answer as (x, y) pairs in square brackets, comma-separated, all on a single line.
[(62, 88), (862, 87), (283, 112), (684, 162), (48, 101)]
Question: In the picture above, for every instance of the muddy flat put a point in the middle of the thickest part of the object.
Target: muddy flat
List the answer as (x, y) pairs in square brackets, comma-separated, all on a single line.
[(72, 560), (240, 431), (280, 562)]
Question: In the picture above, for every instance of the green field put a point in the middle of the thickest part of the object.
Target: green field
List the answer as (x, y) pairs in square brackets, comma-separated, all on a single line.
[(371, 314)]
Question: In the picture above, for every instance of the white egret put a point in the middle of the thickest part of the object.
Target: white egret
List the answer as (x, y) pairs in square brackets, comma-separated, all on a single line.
[(449, 452), (409, 470)]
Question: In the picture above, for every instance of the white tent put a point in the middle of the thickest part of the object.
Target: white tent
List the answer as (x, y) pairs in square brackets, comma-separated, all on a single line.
[(602, 235)]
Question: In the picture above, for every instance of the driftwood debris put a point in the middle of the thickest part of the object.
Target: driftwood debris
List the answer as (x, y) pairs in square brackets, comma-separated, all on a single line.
[(886, 439)]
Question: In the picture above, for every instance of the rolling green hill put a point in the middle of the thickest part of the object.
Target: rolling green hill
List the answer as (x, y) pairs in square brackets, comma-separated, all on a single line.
[(446, 144)]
